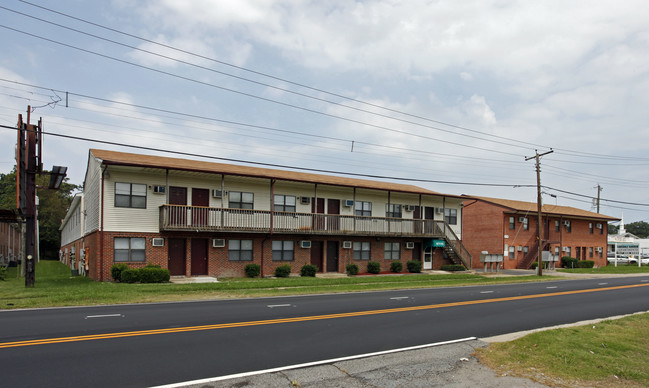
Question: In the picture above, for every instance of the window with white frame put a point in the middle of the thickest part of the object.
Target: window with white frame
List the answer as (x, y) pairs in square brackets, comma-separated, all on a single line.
[(392, 210), (240, 200), (130, 195), (129, 249), (284, 203), (392, 251), (557, 226), (525, 250), (240, 250), (363, 208), (283, 250), (450, 216), (526, 223), (591, 230), (512, 223), (361, 250), (512, 252)]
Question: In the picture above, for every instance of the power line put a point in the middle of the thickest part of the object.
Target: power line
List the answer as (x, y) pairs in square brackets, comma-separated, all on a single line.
[(204, 83), (567, 152), (275, 165)]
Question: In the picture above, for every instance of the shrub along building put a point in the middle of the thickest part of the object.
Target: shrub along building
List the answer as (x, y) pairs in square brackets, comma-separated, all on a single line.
[(509, 228), (201, 218)]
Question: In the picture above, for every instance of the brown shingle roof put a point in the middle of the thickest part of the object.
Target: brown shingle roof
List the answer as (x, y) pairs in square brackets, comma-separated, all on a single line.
[(531, 207), (139, 160)]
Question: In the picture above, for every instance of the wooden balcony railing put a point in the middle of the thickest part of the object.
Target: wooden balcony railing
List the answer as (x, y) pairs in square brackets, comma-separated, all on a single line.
[(193, 218)]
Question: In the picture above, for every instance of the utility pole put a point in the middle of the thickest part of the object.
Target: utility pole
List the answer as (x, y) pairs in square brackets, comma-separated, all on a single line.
[(538, 207), (29, 164), (599, 190)]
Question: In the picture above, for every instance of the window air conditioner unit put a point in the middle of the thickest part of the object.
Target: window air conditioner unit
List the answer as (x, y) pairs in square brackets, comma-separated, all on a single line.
[(599, 249), (347, 245), (159, 189), (218, 243), (564, 249), (439, 210), (305, 200), (158, 242), (349, 202), (599, 226), (519, 248), (410, 208), (410, 245), (522, 219), (566, 223), (217, 193), (305, 244)]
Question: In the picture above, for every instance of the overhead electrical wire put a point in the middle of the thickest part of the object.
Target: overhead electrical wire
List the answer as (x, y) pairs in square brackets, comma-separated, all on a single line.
[(570, 152), (204, 83), (274, 165)]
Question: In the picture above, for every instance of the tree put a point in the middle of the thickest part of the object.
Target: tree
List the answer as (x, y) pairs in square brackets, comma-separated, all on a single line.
[(639, 228), (612, 229), (53, 205)]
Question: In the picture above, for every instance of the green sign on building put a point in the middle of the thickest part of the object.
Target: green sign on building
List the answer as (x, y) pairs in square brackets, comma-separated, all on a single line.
[(439, 243)]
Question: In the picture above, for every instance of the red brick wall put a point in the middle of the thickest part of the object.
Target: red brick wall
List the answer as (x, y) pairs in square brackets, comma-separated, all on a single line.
[(485, 225), (483, 229)]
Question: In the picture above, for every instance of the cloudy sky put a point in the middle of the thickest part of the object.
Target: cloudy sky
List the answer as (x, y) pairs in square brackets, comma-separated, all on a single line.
[(453, 95)]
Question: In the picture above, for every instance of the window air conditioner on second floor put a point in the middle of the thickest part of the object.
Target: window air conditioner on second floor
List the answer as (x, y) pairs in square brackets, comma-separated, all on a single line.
[(159, 189), (305, 200), (349, 202), (410, 208), (439, 210), (218, 193)]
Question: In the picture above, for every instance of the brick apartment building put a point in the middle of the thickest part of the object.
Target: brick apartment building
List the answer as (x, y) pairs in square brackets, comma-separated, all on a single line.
[(201, 218), (502, 226), (10, 241)]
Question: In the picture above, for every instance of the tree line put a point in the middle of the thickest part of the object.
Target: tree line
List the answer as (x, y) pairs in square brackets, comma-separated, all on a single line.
[(53, 205)]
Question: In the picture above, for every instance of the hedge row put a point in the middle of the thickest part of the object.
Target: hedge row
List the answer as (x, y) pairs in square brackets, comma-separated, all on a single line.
[(149, 274)]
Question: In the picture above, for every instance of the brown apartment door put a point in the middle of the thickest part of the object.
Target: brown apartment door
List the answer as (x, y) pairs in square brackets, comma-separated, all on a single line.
[(332, 256), (200, 198), (177, 256), (333, 214), (429, 215), (178, 214), (316, 254), (317, 208), (416, 215), (199, 256)]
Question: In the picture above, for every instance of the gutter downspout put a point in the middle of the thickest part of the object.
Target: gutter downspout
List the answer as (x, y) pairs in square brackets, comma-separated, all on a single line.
[(101, 227)]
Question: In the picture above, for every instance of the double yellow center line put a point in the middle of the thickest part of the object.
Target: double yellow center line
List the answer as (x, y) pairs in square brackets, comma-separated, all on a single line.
[(296, 319)]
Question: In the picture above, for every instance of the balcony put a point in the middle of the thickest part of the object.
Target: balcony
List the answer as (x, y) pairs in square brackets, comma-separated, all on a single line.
[(207, 219)]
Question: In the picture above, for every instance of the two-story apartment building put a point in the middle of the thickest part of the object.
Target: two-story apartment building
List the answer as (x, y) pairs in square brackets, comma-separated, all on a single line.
[(203, 218), (508, 227)]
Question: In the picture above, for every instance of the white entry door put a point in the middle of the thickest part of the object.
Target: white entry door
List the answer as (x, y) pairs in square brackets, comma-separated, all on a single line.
[(428, 258)]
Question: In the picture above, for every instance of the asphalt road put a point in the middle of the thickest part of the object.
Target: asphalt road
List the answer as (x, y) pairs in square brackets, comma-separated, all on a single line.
[(155, 344)]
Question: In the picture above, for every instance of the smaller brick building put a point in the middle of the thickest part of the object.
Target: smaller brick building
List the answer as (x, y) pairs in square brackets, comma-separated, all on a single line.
[(501, 226)]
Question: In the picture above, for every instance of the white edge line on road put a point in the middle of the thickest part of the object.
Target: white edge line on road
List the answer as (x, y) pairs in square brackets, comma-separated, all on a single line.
[(486, 292), (602, 284), (278, 305), (400, 297), (103, 316), (309, 364), (552, 287)]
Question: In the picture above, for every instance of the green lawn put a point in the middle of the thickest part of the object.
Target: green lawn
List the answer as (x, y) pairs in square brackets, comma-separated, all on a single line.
[(606, 354), (55, 287), (610, 269)]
